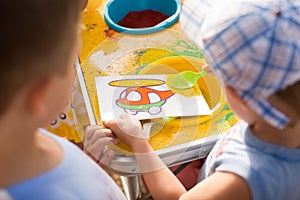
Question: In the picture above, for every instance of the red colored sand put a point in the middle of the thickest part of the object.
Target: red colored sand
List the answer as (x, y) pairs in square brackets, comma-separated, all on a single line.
[(142, 19)]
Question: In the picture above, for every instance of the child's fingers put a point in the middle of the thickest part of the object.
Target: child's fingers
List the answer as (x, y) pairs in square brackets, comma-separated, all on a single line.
[(96, 149), (127, 124), (113, 126), (90, 130), (117, 129), (93, 133), (106, 157), (101, 133), (208, 69)]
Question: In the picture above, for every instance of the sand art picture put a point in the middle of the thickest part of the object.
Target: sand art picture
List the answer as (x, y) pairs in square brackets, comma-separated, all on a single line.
[(146, 97)]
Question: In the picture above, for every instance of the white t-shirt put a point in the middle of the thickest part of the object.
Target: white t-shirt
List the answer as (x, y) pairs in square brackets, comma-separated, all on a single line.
[(77, 177), (271, 171)]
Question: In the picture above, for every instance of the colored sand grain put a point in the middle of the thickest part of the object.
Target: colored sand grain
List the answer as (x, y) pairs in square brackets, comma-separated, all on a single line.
[(142, 19)]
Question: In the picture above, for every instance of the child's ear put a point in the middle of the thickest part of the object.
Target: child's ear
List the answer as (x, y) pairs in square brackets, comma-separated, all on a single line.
[(37, 97)]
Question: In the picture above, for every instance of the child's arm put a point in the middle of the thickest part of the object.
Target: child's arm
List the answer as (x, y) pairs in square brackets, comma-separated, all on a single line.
[(159, 179), (161, 182), (220, 186)]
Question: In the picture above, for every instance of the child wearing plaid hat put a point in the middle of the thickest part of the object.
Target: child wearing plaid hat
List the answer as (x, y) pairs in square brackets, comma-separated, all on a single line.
[(253, 47)]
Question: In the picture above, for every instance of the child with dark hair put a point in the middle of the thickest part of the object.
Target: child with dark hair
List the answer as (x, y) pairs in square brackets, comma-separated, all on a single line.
[(39, 43)]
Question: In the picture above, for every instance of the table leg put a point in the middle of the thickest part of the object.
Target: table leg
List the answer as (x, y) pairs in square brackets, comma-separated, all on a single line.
[(131, 187)]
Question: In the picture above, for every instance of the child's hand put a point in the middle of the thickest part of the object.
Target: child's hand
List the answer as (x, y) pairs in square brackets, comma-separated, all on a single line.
[(128, 129), (208, 69), (96, 138)]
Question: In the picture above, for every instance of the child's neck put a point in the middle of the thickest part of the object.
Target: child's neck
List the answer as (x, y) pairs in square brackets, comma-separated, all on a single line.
[(289, 136), (17, 136), (24, 153)]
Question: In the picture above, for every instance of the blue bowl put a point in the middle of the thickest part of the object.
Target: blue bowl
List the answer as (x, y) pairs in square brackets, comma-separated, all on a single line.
[(116, 10)]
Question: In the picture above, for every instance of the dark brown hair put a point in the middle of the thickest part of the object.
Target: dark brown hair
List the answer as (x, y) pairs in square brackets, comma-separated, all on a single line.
[(34, 31)]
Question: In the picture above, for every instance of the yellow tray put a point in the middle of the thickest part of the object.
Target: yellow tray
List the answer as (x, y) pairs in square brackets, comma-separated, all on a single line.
[(179, 140)]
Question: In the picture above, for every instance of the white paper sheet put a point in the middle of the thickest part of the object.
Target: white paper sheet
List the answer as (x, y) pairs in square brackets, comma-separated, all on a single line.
[(146, 97)]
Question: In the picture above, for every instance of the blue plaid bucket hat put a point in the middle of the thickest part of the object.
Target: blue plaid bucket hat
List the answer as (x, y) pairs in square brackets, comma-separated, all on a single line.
[(253, 46)]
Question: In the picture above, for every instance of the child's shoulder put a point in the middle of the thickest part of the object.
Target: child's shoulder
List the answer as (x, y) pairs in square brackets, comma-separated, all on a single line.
[(258, 162), (75, 177), (72, 155)]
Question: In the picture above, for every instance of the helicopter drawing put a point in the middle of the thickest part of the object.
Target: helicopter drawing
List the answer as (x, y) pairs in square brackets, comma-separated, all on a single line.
[(140, 97), (145, 97)]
